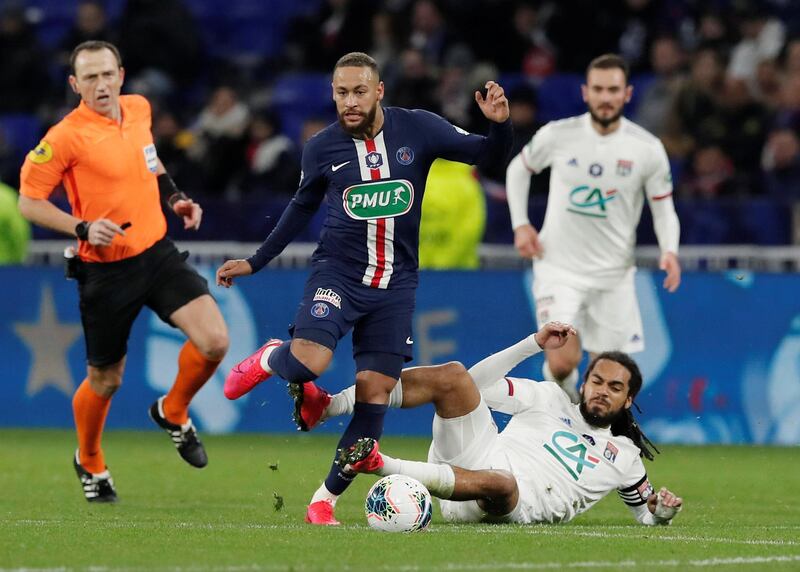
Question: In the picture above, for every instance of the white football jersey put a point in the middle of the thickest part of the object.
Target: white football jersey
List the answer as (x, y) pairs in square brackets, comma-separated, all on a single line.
[(563, 465), (598, 184)]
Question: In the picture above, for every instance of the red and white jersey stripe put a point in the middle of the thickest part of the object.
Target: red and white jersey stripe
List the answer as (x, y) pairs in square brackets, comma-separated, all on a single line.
[(380, 232)]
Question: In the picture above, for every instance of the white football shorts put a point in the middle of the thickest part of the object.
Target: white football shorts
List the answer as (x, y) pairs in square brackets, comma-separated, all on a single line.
[(606, 319)]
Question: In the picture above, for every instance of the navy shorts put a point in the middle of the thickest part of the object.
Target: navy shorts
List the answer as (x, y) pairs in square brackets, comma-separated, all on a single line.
[(380, 319)]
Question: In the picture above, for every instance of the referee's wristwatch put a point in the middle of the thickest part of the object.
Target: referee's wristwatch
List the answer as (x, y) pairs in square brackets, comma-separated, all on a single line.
[(82, 230)]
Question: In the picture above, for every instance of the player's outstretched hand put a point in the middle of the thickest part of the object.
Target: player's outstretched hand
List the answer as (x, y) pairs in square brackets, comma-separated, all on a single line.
[(190, 211), (495, 105), (526, 240), (102, 232), (665, 505), (230, 270), (669, 263), (553, 335)]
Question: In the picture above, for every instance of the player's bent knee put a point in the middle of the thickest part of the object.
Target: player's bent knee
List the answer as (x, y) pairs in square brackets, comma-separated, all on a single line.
[(562, 366), (501, 493), (105, 382), (215, 346), (450, 375)]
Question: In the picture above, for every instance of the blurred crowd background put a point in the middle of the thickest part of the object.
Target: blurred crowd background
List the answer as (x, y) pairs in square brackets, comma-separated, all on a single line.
[(238, 86)]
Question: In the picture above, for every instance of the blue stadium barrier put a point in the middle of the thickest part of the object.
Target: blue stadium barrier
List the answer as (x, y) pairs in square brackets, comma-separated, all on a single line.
[(721, 364)]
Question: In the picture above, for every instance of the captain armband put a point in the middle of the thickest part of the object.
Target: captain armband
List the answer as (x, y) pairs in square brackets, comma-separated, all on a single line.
[(169, 192)]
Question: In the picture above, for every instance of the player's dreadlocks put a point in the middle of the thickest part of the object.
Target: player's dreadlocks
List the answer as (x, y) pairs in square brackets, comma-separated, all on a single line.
[(626, 423)]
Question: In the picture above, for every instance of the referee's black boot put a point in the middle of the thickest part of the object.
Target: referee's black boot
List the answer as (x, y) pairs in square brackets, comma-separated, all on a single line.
[(190, 448), (96, 488)]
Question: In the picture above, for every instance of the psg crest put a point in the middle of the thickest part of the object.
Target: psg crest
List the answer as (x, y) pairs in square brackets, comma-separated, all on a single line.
[(405, 156)]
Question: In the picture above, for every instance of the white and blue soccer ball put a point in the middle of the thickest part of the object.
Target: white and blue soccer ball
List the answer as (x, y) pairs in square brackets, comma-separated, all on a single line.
[(397, 503)]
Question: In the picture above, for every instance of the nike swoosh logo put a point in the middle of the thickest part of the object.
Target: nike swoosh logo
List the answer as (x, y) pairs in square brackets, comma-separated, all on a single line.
[(335, 168), (409, 341)]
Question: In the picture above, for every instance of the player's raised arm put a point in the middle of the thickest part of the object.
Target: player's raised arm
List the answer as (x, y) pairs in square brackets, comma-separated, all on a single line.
[(551, 336)]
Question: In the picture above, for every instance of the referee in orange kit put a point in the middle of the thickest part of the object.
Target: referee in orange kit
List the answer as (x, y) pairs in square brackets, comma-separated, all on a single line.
[(104, 155)]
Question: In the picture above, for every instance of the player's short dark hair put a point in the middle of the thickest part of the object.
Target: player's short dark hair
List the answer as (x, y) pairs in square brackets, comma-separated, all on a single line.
[(357, 60), (626, 361), (608, 62), (93, 46)]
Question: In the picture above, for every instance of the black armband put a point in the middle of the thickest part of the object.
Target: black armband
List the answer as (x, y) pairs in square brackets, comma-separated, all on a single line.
[(169, 191)]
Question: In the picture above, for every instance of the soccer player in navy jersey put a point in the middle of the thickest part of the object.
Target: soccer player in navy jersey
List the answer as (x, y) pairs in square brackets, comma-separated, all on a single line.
[(372, 166)]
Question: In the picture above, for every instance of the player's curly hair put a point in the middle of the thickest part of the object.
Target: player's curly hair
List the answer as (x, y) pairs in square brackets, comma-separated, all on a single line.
[(626, 424)]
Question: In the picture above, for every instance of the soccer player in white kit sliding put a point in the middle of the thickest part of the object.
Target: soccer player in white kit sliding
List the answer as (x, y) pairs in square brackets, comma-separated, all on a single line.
[(602, 167), (552, 462)]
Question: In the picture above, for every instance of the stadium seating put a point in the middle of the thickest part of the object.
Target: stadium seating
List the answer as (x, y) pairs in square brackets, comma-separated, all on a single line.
[(22, 131)]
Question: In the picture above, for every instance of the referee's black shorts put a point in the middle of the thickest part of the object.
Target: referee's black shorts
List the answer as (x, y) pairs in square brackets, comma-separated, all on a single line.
[(113, 293)]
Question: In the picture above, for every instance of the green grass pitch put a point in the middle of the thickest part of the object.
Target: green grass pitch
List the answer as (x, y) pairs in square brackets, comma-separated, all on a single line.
[(742, 513)]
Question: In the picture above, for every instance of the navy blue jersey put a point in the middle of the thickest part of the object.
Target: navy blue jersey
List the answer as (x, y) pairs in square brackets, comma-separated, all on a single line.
[(374, 190)]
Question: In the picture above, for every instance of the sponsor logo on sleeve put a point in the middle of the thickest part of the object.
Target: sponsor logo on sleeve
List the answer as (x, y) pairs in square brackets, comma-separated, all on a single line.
[(150, 157), (42, 153)]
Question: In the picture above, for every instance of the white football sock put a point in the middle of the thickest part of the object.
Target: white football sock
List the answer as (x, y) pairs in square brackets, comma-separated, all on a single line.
[(342, 403), (324, 494), (438, 478), (264, 361)]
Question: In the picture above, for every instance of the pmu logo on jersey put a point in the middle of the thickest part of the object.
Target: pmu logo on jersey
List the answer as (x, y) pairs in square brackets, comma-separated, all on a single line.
[(624, 167), (570, 453), (373, 160), (590, 201), (378, 199)]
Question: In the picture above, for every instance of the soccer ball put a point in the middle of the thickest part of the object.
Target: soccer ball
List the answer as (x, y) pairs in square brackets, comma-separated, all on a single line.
[(397, 503)]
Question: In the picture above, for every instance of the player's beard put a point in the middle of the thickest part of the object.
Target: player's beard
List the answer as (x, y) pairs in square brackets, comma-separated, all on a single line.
[(367, 119), (599, 420), (605, 121)]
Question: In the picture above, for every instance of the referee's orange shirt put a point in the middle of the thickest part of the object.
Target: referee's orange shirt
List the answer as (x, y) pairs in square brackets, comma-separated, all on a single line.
[(108, 170)]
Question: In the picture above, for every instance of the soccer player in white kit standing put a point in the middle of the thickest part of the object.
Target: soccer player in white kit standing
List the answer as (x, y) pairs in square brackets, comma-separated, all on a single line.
[(602, 167)]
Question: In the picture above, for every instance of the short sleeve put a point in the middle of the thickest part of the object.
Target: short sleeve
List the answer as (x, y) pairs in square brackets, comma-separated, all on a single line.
[(45, 165), (537, 154)]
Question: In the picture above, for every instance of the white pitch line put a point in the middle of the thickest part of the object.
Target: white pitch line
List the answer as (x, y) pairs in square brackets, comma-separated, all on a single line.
[(677, 538), (536, 530)]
